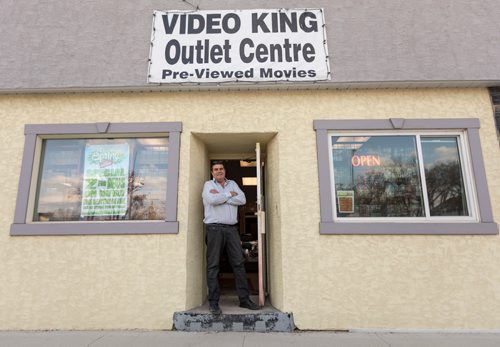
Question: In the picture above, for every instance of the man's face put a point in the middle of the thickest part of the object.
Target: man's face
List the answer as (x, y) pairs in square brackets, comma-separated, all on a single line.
[(218, 172)]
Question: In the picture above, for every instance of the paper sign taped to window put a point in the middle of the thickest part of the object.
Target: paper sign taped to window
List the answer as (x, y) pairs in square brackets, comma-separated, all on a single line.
[(345, 200), (105, 180)]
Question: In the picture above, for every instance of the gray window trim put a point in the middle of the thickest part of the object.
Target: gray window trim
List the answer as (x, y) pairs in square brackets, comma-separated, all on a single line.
[(32, 131), (486, 225)]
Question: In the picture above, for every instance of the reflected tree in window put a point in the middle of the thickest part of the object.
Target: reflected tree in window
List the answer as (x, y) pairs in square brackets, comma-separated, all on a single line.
[(443, 174)]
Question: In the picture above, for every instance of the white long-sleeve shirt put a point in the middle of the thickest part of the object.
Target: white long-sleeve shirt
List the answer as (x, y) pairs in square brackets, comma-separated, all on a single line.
[(222, 207)]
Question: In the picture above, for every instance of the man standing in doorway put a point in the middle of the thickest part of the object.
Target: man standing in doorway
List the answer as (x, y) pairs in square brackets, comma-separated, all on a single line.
[(221, 198)]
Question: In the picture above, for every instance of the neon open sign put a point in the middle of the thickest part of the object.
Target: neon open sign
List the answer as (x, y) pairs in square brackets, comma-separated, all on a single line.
[(365, 160)]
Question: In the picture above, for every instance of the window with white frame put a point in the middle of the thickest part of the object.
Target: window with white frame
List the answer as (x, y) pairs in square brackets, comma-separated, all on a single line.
[(103, 178), (402, 177)]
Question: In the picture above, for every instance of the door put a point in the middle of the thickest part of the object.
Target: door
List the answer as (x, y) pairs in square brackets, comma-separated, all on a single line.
[(261, 224)]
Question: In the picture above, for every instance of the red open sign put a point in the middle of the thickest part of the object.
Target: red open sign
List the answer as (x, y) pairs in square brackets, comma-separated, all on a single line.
[(365, 160)]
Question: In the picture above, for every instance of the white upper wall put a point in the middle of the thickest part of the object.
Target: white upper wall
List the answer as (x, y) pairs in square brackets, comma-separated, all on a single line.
[(73, 44)]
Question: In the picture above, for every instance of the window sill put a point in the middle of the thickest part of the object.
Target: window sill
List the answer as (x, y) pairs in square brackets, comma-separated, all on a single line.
[(408, 228), (95, 228)]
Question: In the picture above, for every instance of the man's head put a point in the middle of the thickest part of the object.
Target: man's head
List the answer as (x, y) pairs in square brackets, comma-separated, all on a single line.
[(218, 171)]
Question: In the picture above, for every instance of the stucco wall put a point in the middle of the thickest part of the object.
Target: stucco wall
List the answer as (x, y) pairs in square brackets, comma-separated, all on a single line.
[(273, 216), (384, 281), (328, 282), (51, 45), (195, 241), (85, 282)]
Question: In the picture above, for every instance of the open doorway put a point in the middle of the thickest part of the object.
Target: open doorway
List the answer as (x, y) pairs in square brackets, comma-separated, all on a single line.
[(244, 172), (234, 149)]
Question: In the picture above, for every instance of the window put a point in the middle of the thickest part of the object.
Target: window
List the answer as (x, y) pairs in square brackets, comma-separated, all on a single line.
[(402, 177), (98, 179), (382, 176)]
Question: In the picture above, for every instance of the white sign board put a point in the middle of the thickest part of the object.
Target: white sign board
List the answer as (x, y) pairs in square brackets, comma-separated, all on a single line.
[(239, 45), (105, 180)]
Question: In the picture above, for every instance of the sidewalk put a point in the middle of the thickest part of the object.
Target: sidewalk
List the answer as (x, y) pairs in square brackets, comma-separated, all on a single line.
[(177, 338)]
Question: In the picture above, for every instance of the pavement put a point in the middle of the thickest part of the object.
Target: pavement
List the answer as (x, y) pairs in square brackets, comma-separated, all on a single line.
[(221, 339)]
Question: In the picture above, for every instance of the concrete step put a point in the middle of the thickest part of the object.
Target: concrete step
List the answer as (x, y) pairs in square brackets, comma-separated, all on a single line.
[(234, 318)]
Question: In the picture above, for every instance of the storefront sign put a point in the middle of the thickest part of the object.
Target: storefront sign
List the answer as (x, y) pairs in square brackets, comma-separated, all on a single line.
[(239, 45), (105, 180)]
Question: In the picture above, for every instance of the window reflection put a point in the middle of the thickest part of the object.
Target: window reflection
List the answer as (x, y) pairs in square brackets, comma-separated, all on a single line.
[(443, 175), (377, 176), (72, 187)]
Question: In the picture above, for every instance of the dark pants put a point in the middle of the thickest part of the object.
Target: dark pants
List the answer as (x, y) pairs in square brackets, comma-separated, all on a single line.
[(219, 237)]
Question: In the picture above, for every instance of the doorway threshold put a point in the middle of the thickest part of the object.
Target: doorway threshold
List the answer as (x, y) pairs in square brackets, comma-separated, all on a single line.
[(234, 318)]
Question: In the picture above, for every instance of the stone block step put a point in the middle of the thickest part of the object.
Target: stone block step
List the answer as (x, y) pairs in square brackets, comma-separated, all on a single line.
[(258, 322), (234, 318)]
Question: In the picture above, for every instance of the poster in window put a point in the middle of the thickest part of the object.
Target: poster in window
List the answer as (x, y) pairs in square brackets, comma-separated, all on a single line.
[(346, 201), (105, 180)]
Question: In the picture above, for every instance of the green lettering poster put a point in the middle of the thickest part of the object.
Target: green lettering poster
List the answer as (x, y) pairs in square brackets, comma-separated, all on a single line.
[(105, 180)]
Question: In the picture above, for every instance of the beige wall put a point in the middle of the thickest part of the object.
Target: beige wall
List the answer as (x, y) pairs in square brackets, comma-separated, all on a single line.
[(328, 282), (274, 233), (195, 272), (384, 281), (85, 282)]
